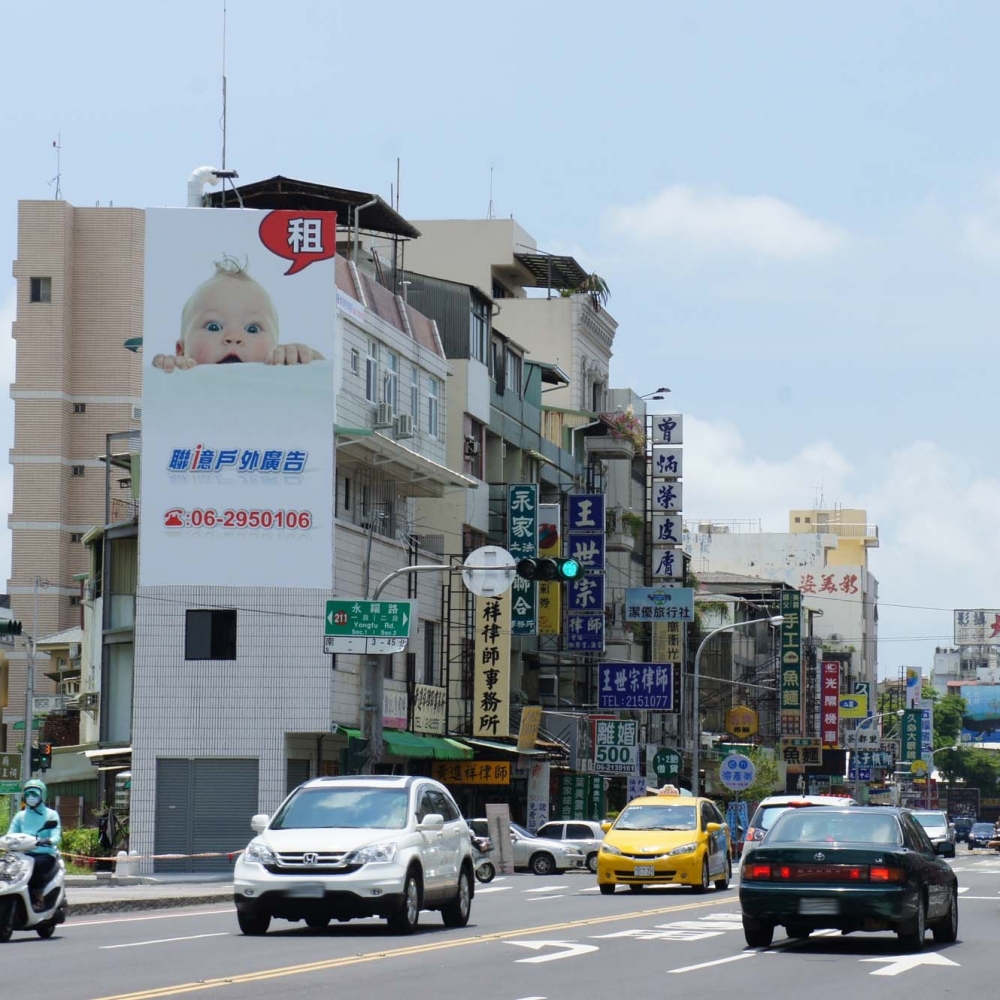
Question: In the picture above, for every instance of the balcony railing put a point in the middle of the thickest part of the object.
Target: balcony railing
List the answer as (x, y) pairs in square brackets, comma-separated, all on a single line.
[(841, 530)]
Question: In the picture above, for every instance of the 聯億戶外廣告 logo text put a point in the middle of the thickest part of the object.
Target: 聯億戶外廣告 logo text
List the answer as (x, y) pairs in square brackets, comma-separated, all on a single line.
[(202, 459)]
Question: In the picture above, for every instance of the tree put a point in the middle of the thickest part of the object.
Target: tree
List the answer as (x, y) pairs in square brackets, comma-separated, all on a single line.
[(948, 712)]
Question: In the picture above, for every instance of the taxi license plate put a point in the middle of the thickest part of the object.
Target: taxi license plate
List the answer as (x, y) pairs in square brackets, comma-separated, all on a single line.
[(818, 907), (307, 890), (644, 871)]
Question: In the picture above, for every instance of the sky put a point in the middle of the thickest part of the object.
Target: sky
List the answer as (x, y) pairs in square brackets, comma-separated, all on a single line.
[(796, 208)]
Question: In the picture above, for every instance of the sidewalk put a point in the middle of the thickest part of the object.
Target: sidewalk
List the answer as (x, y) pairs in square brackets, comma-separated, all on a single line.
[(86, 895)]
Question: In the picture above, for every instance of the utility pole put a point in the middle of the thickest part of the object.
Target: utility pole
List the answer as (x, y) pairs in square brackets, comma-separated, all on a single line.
[(29, 687)]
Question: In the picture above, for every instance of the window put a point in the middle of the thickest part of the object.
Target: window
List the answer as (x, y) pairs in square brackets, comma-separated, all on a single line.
[(577, 831), (415, 397), (430, 653), (552, 831), (41, 289), (77, 470), (76, 536), (388, 668), (371, 372), (347, 494), (210, 635), (598, 399), (474, 457), (432, 407), (74, 601), (512, 373), (496, 363), (79, 407), (390, 383), (479, 330), (355, 361)]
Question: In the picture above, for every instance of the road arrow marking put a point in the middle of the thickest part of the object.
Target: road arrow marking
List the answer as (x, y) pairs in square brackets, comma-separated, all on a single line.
[(548, 888), (903, 963), (570, 948)]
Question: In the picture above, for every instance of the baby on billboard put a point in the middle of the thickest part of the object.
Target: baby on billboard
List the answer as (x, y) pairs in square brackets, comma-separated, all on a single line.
[(231, 319)]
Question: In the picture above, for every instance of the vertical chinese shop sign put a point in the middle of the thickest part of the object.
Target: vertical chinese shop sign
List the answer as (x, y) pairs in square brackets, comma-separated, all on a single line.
[(522, 543), (491, 670), (791, 663), (830, 717)]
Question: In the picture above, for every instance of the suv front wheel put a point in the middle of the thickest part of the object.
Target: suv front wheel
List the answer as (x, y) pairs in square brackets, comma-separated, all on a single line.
[(406, 918)]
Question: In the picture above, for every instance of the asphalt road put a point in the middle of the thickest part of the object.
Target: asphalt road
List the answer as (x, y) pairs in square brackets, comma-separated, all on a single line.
[(529, 938)]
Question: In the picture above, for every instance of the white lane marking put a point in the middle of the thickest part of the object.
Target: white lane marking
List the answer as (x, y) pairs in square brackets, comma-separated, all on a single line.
[(569, 950), (541, 899), (548, 888), (133, 918), (493, 888), (991, 899), (903, 963), (718, 961), (593, 888), (963, 888), (140, 944)]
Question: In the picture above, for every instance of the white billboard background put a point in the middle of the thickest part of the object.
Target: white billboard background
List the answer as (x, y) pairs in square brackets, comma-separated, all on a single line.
[(251, 408)]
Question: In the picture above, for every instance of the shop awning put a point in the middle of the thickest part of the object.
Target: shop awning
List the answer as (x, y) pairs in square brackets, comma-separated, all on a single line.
[(505, 747), (404, 744)]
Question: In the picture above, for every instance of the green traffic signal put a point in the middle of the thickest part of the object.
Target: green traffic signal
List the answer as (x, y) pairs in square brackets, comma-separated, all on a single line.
[(549, 569)]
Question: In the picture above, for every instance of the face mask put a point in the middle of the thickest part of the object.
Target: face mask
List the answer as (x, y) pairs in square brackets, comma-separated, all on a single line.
[(32, 799)]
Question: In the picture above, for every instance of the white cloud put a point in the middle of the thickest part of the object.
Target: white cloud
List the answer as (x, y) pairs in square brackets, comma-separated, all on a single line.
[(720, 222), (939, 544)]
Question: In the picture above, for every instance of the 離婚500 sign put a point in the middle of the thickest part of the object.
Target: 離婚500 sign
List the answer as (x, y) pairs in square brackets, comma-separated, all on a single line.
[(180, 517)]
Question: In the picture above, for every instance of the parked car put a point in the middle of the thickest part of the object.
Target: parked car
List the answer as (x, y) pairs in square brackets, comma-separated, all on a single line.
[(666, 840), (535, 854), (357, 846), (980, 835), (937, 825), (854, 869), (582, 833), (962, 824), (774, 805)]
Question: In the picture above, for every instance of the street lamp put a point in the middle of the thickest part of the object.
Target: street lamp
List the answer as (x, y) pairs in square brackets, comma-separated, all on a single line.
[(775, 620), (655, 394), (930, 770)]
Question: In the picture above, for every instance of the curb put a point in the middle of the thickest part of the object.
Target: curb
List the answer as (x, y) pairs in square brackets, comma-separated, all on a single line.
[(135, 905)]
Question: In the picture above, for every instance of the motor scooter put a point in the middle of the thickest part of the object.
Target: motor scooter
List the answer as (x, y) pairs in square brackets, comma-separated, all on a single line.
[(484, 868), (16, 866)]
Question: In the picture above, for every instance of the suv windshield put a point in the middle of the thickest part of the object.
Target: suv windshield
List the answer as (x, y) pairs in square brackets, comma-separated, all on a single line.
[(657, 818), (352, 808)]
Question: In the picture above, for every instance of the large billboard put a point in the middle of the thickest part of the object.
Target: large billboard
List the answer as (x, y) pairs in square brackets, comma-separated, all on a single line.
[(239, 401), (981, 720)]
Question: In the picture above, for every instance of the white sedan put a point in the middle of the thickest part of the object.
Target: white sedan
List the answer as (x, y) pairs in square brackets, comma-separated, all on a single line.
[(533, 854)]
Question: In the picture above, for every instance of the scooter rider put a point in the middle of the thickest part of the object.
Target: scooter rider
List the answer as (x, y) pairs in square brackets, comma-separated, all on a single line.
[(30, 820)]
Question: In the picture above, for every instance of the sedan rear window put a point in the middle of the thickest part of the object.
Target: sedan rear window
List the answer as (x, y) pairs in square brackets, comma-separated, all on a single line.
[(823, 826), (657, 818), (351, 808)]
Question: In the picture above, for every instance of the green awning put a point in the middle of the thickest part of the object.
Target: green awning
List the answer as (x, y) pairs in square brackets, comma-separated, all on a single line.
[(404, 744), (35, 725)]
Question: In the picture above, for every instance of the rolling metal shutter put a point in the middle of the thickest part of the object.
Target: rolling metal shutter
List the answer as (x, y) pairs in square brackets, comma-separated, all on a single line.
[(297, 771), (203, 806)]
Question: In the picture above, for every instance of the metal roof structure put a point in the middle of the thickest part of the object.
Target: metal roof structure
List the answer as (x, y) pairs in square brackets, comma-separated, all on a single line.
[(287, 193), (552, 271)]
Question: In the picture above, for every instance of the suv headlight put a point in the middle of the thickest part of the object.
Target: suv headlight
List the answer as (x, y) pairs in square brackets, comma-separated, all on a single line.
[(609, 849), (259, 853), (683, 849), (374, 854)]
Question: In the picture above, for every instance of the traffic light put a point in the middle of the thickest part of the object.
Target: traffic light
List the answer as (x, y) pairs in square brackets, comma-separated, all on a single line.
[(549, 569), (10, 627), (41, 757)]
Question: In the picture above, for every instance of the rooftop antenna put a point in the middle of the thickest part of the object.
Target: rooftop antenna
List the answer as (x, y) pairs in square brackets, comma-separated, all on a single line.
[(818, 498), (224, 86), (490, 213), (57, 180), (397, 183)]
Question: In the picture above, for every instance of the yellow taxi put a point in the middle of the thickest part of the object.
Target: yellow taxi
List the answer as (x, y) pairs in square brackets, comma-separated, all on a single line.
[(666, 840)]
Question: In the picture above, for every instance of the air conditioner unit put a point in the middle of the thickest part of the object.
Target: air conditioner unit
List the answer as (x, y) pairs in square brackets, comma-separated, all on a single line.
[(471, 446), (137, 413), (404, 426), (384, 417), (548, 686), (86, 702), (835, 637)]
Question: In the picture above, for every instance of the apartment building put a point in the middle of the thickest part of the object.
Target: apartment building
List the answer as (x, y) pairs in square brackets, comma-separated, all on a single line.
[(79, 278)]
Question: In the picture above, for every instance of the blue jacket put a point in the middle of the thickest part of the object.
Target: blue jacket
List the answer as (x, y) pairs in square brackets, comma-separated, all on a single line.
[(32, 820)]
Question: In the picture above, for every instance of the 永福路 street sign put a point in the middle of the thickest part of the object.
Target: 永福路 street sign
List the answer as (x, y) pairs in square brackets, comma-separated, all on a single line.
[(359, 626)]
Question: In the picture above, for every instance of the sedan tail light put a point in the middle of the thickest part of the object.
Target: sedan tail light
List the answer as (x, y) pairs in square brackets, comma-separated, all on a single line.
[(763, 871), (879, 873), (754, 834), (757, 871)]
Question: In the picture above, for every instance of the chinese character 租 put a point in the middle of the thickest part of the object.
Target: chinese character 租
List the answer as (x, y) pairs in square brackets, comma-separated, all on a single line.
[(305, 235)]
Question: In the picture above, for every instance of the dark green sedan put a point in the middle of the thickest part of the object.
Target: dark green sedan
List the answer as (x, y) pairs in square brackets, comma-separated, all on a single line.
[(857, 869)]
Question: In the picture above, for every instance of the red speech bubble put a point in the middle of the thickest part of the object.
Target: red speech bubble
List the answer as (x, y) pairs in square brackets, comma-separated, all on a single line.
[(301, 237)]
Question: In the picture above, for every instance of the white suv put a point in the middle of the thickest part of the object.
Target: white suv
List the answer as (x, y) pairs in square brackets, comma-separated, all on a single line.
[(359, 846)]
